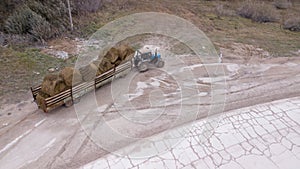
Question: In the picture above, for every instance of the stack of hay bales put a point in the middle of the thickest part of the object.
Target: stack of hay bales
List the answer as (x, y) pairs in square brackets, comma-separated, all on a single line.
[(88, 72), (40, 100), (58, 82), (71, 76), (53, 84), (114, 57), (125, 52), (105, 65)]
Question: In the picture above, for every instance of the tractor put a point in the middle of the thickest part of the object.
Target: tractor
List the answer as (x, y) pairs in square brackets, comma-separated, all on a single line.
[(143, 60)]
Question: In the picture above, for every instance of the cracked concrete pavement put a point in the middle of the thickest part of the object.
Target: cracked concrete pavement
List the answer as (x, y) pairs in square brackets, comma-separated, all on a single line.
[(260, 136)]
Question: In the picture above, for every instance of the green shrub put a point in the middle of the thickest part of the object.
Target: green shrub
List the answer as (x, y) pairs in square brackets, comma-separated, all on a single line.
[(40, 28), (26, 21), (39, 18), (18, 23), (292, 24), (282, 4), (53, 11), (258, 11)]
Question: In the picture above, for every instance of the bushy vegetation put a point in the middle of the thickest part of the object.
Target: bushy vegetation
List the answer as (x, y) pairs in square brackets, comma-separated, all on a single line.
[(258, 11), (221, 10), (292, 24), (85, 6), (43, 19), (17, 23), (40, 19), (282, 4), (26, 21)]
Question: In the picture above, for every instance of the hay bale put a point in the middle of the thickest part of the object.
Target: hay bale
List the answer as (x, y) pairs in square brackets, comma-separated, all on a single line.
[(89, 72), (53, 84), (70, 76), (118, 62), (97, 62), (113, 58), (99, 72), (40, 100), (112, 55), (105, 65), (125, 52)]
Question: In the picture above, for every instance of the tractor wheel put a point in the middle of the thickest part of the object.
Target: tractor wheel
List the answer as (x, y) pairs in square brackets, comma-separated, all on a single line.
[(160, 64), (142, 67), (72, 102), (136, 62), (155, 60)]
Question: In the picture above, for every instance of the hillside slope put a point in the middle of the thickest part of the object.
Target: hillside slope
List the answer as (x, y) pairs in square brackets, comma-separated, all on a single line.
[(220, 20)]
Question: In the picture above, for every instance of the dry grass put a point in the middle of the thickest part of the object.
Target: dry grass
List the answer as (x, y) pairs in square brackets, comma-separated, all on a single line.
[(292, 24), (20, 70), (258, 11), (282, 4), (221, 10)]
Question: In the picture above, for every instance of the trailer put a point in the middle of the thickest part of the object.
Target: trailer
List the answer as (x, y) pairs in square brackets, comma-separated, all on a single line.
[(72, 95)]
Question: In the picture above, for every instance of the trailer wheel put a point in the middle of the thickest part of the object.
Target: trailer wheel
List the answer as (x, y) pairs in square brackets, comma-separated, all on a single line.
[(77, 100), (69, 103)]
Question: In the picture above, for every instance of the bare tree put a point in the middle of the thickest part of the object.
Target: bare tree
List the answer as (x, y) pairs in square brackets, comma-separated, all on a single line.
[(70, 15)]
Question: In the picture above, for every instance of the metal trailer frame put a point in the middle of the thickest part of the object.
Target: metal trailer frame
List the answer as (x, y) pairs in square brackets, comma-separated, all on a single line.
[(68, 97)]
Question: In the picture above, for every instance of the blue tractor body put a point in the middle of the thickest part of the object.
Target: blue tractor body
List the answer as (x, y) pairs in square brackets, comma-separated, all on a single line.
[(144, 60)]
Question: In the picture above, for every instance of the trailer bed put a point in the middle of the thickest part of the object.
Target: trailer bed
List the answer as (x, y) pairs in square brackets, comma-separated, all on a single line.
[(68, 97)]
